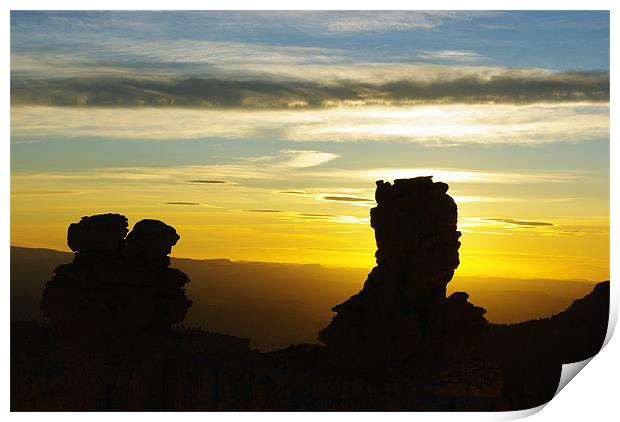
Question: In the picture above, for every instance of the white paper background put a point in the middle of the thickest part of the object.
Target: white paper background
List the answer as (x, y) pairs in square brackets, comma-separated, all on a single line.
[(591, 396)]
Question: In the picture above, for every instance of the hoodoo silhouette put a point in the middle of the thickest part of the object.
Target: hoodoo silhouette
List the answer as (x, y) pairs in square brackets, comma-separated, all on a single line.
[(402, 311), (115, 286), (399, 344)]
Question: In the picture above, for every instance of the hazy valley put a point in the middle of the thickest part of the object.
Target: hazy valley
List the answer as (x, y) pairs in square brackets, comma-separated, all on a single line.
[(276, 304)]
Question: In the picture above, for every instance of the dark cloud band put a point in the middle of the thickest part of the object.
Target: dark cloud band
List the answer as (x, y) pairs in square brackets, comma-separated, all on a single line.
[(281, 94)]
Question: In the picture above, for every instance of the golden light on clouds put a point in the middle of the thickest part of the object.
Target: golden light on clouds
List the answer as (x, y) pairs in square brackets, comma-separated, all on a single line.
[(429, 125)]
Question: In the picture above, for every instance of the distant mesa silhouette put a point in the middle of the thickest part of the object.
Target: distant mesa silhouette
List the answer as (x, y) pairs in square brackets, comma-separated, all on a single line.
[(118, 284)]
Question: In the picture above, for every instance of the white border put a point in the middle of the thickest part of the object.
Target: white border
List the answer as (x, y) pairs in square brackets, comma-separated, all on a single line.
[(310, 5), (592, 395)]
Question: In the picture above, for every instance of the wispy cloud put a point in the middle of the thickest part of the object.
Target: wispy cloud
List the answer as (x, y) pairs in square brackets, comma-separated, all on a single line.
[(346, 198), (280, 166), (306, 158), (459, 199), (37, 192), (466, 175), (430, 125), (210, 182), (181, 203), (512, 221), (218, 52), (264, 211), (291, 192), (458, 125), (369, 201), (354, 184), (97, 27), (465, 199), (358, 21), (389, 20), (339, 219), (513, 226), (311, 217), (353, 200), (450, 55)]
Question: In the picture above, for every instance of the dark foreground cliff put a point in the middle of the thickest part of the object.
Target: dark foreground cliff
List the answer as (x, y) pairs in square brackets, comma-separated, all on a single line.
[(196, 370), (399, 344)]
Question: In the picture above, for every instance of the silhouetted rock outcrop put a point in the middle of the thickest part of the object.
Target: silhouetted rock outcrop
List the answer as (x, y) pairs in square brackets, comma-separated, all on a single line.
[(150, 242), (402, 312), (115, 286), (97, 233), (531, 353), (399, 344)]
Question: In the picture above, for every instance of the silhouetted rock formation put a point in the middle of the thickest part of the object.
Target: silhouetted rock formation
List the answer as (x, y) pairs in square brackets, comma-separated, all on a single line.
[(531, 353), (150, 242), (402, 312), (206, 372), (97, 233), (115, 286), (399, 344)]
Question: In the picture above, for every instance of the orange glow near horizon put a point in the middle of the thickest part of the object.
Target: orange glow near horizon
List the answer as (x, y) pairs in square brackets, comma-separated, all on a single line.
[(568, 248)]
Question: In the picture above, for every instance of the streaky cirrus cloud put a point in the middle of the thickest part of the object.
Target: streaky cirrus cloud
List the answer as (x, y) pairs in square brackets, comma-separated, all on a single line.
[(466, 175), (291, 192), (277, 166), (43, 192), (305, 158), (94, 27), (512, 226), (250, 171), (210, 182), (353, 200), (338, 198), (450, 55), (459, 199), (125, 52), (310, 217), (264, 211), (513, 221), (428, 125), (362, 21), (368, 202)]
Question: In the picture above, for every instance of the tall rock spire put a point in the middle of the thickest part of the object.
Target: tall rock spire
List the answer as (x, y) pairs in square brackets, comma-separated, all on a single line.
[(402, 310)]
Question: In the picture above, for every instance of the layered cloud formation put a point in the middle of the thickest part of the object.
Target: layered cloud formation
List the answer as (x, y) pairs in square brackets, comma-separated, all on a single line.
[(448, 86), (92, 74)]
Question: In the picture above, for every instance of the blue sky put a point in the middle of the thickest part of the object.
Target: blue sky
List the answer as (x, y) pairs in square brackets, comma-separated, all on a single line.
[(570, 40)]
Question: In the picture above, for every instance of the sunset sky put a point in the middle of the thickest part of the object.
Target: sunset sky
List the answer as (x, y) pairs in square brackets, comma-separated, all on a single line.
[(260, 135)]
